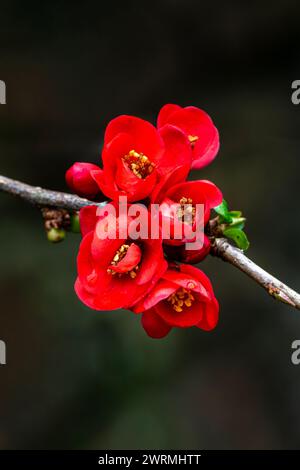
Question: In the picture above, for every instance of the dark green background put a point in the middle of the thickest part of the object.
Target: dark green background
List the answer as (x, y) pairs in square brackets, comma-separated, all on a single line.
[(81, 379)]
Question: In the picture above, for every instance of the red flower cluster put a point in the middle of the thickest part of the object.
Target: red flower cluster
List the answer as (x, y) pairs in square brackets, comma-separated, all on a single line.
[(148, 163)]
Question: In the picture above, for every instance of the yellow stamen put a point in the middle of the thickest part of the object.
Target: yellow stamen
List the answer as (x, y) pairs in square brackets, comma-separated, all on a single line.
[(193, 139), (186, 212), (139, 164), (180, 299)]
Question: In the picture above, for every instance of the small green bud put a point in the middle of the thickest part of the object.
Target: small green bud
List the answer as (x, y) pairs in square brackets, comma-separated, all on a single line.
[(56, 235), (74, 223), (238, 222), (223, 212)]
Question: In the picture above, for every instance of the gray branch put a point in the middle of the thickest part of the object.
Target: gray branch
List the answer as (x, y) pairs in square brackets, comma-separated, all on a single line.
[(222, 249), (273, 286), (42, 197)]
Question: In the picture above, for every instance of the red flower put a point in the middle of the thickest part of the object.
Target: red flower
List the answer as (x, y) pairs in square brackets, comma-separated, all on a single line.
[(185, 196), (88, 219), (182, 298), (184, 255), (199, 128), (80, 180), (122, 265), (136, 156), (112, 272)]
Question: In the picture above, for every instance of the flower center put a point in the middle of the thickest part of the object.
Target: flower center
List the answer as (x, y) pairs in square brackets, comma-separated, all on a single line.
[(186, 212), (193, 139), (139, 164), (120, 254), (180, 299)]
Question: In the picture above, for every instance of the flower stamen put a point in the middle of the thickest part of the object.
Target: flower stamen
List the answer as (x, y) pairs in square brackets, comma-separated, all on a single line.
[(139, 164), (193, 139), (186, 212), (180, 299)]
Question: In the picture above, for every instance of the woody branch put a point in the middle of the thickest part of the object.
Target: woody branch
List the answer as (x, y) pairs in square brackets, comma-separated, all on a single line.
[(220, 247)]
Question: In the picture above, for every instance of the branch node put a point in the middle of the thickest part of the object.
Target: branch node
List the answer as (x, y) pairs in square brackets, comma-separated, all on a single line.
[(55, 218)]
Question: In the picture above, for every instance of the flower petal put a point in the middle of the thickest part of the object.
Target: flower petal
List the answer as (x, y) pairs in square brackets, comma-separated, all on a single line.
[(188, 256), (187, 281), (190, 316), (199, 275), (104, 249), (178, 150), (211, 316), (143, 135), (167, 180), (206, 149), (162, 290), (89, 276), (87, 219), (130, 261), (106, 184), (154, 326), (164, 114), (195, 123), (201, 191), (153, 260)]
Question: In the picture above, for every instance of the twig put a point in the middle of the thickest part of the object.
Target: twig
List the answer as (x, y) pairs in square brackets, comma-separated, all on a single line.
[(221, 248), (273, 286), (42, 197)]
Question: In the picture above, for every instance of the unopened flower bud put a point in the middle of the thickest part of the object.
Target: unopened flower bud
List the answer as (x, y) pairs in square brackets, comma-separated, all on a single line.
[(80, 180), (74, 223), (56, 235)]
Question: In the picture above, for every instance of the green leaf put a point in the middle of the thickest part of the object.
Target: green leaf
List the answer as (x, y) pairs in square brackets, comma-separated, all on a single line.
[(238, 222), (235, 213), (238, 225), (238, 236), (223, 212)]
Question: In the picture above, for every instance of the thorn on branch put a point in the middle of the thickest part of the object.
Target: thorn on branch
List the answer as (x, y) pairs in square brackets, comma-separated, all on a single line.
[(277, 294)]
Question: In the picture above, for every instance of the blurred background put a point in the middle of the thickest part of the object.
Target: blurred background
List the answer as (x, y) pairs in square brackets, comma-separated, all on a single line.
[(78, 379)]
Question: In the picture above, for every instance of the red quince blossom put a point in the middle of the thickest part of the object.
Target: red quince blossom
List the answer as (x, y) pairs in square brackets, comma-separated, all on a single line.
[(87, 219), (124, 266), (185, 196), (184, 255), (112, 272), (80, 180), (136, 156), (198, 127), (182, 298)]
